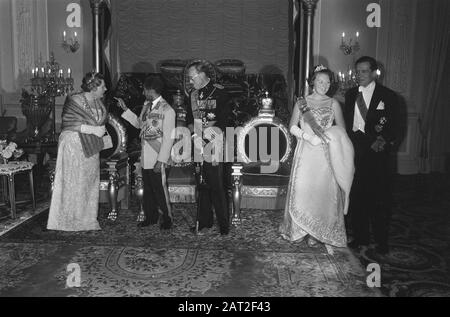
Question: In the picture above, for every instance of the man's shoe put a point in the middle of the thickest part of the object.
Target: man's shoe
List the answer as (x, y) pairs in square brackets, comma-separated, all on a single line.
[(224, 231), (200, 228), (199, 232), (146, 223), (382, 249), (166, 225)]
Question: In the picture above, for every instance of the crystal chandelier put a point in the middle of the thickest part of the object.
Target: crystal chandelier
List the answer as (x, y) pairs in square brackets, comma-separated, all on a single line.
[(47, 83)]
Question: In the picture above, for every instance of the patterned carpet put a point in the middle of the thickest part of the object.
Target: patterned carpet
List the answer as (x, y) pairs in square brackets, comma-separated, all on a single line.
[(258, 232), (29, 269), (122, 260), (418, 263)]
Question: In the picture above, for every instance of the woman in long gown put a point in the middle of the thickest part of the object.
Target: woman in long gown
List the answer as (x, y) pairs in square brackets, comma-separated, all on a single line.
[(75, 197), (322, 171)]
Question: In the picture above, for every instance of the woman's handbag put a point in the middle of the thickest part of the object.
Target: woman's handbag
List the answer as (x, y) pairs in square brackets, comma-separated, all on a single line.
[(107, 141)]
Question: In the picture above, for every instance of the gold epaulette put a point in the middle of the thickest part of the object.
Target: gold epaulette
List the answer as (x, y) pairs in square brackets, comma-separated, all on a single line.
[(218, 86)]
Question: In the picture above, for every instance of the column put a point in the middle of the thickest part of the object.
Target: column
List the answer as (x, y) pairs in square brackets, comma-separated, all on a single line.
[(309, 7), (96, 6)]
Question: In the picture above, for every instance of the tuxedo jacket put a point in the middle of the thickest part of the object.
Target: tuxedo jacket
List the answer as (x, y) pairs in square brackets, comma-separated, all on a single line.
[(160, 122), (382, 114)]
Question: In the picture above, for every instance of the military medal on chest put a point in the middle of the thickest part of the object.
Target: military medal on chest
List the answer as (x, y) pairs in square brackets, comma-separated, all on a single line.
[(154, 119)]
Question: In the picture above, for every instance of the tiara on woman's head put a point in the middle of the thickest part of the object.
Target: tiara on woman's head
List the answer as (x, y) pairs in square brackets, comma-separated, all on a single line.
[(94, 73), (319, 68)]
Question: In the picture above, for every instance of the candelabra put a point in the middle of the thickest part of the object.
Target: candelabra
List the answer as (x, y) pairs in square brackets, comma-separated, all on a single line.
[(71, 44), (347, 80), (349, 48), (47, 83)]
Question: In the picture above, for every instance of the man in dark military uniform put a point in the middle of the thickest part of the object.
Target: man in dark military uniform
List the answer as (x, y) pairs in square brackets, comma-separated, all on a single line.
[(209, 107)]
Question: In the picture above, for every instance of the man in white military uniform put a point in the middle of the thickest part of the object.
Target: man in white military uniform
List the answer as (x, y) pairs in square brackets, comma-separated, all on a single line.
[(156, 121)]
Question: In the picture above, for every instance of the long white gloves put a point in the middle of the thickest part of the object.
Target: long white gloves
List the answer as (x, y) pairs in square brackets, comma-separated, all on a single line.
[(92, 129), (299, 133), (198, 142)]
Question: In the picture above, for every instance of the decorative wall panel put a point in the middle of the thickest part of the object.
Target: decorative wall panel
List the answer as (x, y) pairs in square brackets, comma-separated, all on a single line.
[(254, 31), (29, 34), (395, 52), (395, 44), (23, 26)]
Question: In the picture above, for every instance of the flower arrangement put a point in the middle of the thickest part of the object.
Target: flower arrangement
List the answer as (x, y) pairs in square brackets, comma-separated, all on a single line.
[(8, 151)]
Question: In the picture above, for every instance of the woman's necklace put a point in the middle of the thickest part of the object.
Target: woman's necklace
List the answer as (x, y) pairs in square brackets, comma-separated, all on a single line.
[(89, 107), (317, 97)]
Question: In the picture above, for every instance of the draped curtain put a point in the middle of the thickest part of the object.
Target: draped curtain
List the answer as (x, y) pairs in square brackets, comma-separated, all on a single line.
[(254, 31), (434, 114)]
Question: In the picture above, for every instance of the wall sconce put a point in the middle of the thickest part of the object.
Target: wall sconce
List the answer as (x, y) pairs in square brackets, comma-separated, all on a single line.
[(349, 48), (70, 44)]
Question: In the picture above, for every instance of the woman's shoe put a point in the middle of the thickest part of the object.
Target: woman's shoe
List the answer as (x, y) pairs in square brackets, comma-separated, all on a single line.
[(312, 242)]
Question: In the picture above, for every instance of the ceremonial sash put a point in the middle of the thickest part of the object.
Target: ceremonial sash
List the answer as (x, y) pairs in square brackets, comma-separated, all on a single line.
[(361, 105)]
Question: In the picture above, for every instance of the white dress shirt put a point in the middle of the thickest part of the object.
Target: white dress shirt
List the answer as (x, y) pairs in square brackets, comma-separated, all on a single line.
[(155, 102), (367, 92)]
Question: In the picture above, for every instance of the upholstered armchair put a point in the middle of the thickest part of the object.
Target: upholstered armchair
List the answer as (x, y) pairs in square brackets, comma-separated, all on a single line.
[(180, 184)]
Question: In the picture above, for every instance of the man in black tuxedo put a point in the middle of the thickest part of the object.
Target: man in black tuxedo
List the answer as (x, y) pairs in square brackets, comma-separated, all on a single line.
[(371, 119)]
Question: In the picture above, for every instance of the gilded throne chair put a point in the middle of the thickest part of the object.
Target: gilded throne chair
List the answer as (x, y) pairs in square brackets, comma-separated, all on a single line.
[(257, 181), (115, 169)]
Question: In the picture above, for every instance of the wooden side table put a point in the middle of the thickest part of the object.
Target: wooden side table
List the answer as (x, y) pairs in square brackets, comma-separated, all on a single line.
[(40, 150), (8, 171)]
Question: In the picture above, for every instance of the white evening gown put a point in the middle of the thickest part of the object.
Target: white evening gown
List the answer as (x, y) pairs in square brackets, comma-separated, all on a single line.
[(320, 183)]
